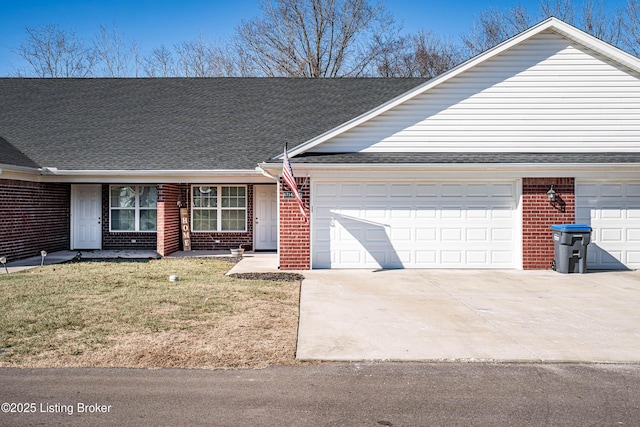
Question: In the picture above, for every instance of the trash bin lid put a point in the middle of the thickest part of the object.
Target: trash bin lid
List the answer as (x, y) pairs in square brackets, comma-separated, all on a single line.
[(578, 228)]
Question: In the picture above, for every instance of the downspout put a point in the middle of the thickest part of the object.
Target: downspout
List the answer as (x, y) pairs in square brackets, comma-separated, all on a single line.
[(267, 174)]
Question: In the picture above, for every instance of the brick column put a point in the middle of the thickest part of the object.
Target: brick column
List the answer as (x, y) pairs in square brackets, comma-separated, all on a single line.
[(295, 234), (168, 218), (538, 215)]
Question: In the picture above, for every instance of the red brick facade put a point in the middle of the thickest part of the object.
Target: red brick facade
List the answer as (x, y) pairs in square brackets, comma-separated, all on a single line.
[(168, 237), (538, 215), (33, 217), (295, 234)]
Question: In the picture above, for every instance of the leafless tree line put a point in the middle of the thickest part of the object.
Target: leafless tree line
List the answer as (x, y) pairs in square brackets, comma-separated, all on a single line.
[(313, 38)]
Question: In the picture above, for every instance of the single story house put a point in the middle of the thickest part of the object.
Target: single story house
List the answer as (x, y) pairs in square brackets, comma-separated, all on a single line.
[(452, 172)]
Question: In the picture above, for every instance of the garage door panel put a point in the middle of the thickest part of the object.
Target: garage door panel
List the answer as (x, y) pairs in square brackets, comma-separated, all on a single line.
[(633, 235), (633, 190), (401, 190), (451, 212), (400, 212), (452, 190), (503, 190), (376, 190), (401, 234), (611, 235), (415, 225), (611, 209), (611, 190), (633, 212), (451, 258), (633, 257), (477, 235), (424, 213), (477, 257)]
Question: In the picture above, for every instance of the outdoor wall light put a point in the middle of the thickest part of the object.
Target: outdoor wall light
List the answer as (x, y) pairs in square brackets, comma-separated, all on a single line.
[(551, 194), (3, 261)]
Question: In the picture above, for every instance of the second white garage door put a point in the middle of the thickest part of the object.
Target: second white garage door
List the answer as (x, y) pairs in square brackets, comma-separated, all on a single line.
[(613, 211), (414, 225)]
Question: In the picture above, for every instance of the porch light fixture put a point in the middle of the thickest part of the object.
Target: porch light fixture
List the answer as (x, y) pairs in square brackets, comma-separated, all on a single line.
[(3, 261), (551, 194)]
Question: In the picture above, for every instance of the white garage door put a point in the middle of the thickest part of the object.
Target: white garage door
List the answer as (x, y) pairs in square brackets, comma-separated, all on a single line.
[(415, 225), (613, 211)]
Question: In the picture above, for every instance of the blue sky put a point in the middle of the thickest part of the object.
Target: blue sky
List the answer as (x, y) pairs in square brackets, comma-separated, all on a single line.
[(152, 23)]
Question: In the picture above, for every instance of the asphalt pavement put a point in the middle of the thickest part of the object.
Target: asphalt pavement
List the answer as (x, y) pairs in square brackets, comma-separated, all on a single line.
[(330, 394)]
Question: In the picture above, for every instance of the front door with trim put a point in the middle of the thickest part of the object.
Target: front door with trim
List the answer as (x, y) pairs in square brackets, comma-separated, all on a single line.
[(266, 217), (86, 216)]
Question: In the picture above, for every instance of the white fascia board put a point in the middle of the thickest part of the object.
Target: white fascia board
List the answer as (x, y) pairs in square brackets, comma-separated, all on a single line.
[(23, 169), (413, 171), (160, 176), (554, 24), (21, 173)]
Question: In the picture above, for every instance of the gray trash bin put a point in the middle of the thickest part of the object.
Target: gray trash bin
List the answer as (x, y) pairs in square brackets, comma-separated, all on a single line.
[(570, 243)]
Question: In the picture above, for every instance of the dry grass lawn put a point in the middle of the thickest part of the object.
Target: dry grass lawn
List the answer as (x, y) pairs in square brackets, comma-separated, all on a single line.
[(128, 314)]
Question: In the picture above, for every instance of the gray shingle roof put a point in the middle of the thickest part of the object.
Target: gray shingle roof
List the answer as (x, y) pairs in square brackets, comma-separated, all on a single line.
[(10, 155), (152, 124), (466, 158)]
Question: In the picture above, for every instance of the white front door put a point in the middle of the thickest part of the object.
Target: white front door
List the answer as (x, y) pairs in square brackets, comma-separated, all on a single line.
[(86, 217), (266, 217)]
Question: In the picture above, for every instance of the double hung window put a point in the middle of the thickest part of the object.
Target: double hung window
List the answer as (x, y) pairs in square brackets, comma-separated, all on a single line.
[(133, 208), (219, 208)]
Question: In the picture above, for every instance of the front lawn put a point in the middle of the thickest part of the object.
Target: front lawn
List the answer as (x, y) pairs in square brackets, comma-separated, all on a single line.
[(128, 314)]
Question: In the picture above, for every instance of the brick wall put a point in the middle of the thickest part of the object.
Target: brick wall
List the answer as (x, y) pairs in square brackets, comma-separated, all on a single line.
[(123, 240), (168, 219), (33, 217), (538, 215), (295, 234)]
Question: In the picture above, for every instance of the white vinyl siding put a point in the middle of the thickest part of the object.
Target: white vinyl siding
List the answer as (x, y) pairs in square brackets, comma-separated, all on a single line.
[(415, 225), (613, 211), (547, 94)]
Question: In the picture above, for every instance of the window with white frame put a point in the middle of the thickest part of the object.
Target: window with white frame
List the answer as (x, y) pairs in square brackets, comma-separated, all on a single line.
[(219, 208), (133, 208)]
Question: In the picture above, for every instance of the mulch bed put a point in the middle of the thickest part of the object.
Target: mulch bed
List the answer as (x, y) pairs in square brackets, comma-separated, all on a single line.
[(276, 277)]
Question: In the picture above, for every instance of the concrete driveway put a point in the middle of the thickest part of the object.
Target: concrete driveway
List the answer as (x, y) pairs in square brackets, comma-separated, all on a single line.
[(442, 315)]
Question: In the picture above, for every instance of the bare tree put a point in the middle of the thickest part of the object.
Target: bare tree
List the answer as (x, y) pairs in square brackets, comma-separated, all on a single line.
[(595, 21), (493, 27), (630, 34), (312, 38), (53, 52), (160, 63), (116, 58), (561, 9), (200, 58), (419, 55)]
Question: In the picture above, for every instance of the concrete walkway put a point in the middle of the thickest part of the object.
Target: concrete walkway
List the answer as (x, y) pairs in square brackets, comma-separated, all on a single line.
[(469, 315)]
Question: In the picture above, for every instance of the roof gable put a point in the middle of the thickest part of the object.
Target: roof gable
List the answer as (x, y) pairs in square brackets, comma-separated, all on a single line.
[(457, 110)]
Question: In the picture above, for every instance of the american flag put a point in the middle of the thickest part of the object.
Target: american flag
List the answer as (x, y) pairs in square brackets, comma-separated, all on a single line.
[(289, 179)]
